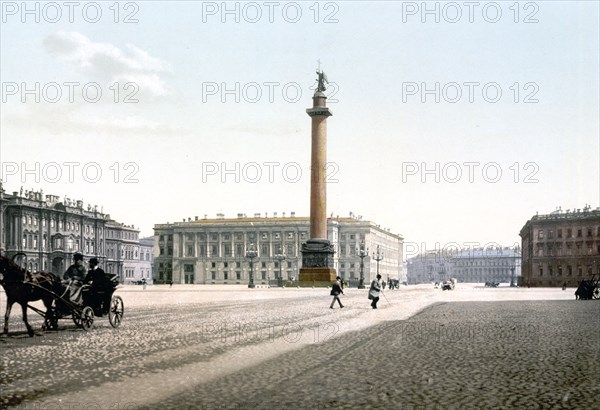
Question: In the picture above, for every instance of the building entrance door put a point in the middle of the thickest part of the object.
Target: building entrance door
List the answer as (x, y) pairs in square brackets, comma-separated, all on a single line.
[(189, 278)]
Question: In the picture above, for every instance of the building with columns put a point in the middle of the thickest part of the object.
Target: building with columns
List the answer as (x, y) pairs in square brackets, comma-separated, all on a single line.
[(474, 265), (561, 247), (49, 231), (213, 251)]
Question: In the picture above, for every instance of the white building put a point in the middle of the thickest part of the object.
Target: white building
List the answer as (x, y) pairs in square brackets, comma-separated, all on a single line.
[(213, 251)]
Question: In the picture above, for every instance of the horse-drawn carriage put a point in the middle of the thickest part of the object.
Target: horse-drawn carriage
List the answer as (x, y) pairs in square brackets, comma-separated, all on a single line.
[(589, 289), (449, 284), (95, 304), (22, 287)]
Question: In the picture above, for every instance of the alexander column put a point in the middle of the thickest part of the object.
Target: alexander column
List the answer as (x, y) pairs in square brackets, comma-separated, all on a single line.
[(317, 252)]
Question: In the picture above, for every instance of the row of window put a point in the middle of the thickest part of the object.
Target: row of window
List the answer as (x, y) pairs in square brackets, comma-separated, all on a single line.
[(569, 233), (239, 236), (227, 250), (484, 271), (558, 250), (262, 275), (121, 234), (188, 267), (559, 270), (75, 227), (30, 241), (69, 226), (485, 263)]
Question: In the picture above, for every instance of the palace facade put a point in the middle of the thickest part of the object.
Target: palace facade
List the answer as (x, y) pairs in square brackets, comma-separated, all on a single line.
[(49, 231), (213, 251)]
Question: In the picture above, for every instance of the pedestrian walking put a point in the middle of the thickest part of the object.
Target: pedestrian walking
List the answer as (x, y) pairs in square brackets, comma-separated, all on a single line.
[(336, 289), (374, 291)]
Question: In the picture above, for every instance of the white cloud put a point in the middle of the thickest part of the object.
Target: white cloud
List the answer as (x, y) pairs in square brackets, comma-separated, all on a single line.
[(105, 60), (76, 120)]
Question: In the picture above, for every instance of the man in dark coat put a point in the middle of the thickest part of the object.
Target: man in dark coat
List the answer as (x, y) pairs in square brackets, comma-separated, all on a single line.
[(102, 283), (74, 277), (336, 289)]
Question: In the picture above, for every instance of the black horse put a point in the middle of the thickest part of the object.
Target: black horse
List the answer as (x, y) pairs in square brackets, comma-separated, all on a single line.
[(22, 287)]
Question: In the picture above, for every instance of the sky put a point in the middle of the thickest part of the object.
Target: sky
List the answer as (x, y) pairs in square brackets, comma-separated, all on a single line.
[(453, 122)]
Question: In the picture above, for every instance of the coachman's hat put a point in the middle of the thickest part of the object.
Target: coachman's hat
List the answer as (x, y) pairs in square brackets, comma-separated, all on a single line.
[(78, 257), (94, 261)]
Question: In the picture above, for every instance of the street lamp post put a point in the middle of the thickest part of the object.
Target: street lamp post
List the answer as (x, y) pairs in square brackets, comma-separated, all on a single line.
[(280, 257), (362, 254), (513, 267), (512, 275), (378, 256), (251, 253)]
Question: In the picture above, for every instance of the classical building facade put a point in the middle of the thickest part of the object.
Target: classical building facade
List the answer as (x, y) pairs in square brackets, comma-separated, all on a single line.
[(494, 264), (427, 267), (213, 251), (49, 231), (561, 247), (474, 265)]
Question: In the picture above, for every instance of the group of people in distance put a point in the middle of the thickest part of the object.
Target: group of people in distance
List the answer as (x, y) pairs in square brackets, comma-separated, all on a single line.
[(100, 281), (338, 288)]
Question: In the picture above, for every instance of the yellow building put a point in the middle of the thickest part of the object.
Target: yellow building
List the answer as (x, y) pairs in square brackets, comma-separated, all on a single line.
[(561, 247)]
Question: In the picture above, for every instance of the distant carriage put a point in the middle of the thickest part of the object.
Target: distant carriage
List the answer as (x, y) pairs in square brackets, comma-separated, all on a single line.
[(22, 287), (449, 284), (394, 284), (588, 289)]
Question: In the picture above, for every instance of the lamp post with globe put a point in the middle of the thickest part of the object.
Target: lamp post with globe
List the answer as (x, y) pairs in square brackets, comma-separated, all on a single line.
[(280, 257), (378, 256), (251, 253), (362, 254)]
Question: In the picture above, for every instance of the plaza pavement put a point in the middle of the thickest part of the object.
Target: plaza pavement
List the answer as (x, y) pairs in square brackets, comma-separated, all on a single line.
[(231, 347)]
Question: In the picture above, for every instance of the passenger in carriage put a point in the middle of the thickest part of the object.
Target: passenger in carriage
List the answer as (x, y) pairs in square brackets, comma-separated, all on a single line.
[(101, 283), (74, 277)]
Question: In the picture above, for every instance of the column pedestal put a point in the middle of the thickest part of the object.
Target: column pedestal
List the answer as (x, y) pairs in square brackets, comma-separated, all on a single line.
[(317, 263)]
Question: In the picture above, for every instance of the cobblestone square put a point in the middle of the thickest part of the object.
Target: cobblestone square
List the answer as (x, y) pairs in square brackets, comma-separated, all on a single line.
[(230, 347)]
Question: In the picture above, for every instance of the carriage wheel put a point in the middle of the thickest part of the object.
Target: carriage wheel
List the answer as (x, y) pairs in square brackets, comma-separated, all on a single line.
[(596, 293), (115, 314), (76, 319), (87, 318)]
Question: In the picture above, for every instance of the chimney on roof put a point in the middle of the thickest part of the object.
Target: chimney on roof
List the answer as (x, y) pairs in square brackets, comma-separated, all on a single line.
[(196, 218), (274, 214), (283, 214), (292, 214), (257, 215)]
